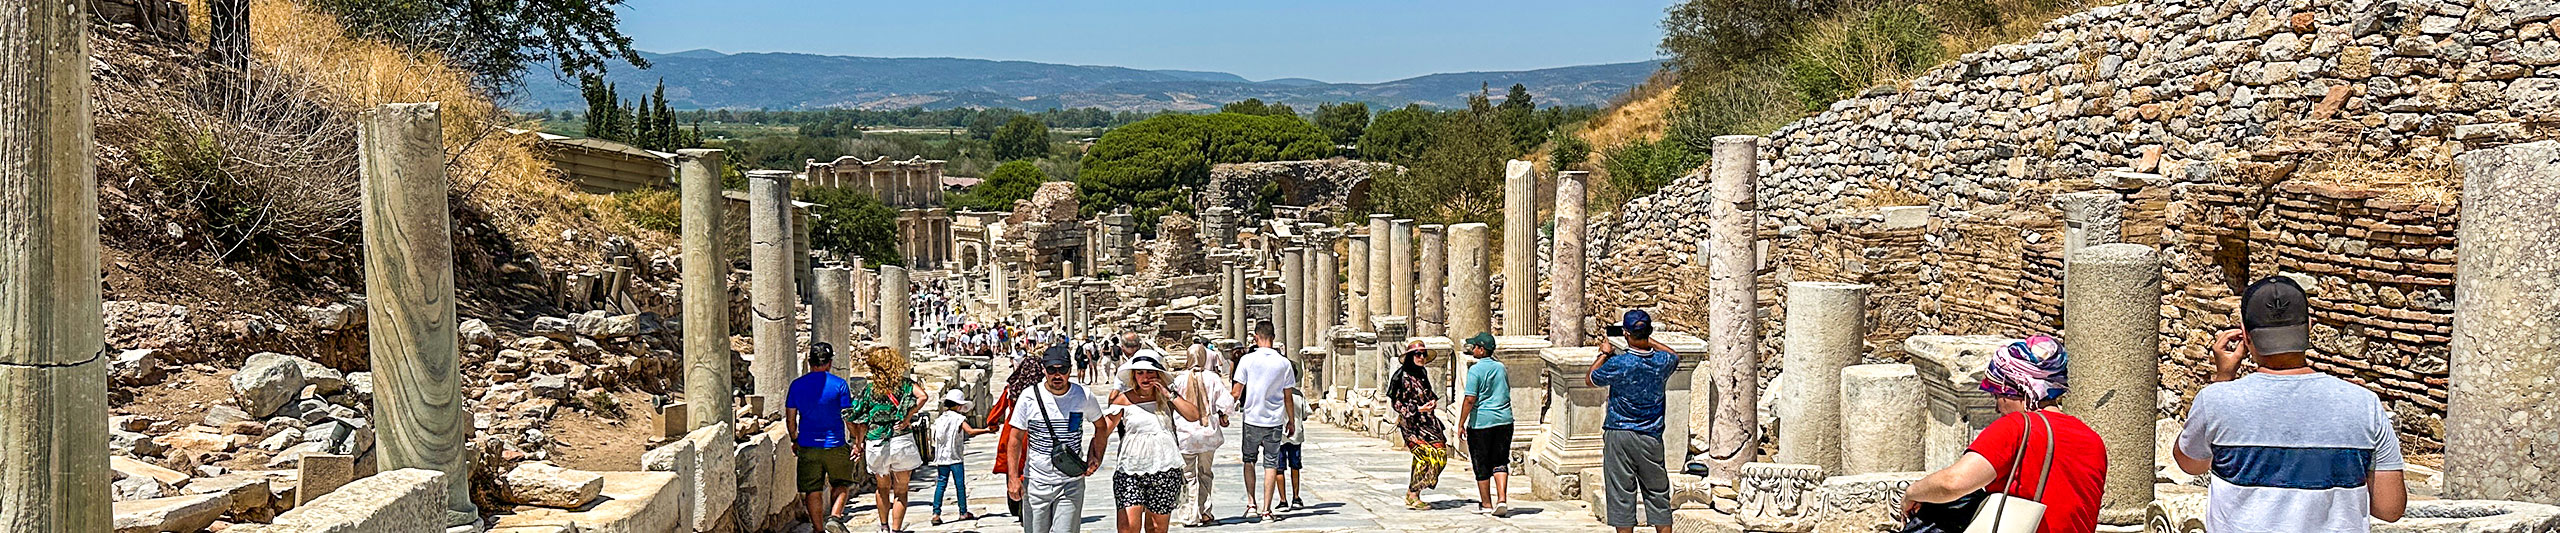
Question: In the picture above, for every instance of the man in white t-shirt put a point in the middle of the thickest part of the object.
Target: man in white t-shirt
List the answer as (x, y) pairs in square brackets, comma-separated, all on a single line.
[(1264, 382), (1052, 418)]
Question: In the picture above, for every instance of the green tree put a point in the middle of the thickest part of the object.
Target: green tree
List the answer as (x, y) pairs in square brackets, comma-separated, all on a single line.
[(1343, 122), (1398, 136), (1641, 167), (1153, 165), (1255, 106), (497, 40), (1519, 116), (1021, 137), (1014, 180), (1456, 178), (1569, 152), (847, 221)]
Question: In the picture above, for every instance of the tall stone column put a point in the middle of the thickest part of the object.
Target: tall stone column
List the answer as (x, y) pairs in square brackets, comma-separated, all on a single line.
[(1381, 267), (408, 280), (770, 284), (1470, 293), (1519, 248), (1001, 285), (830, 319), (1328, 286), (1400, 267), (1733, 306), (1888, 400), (2111, 315), (1293, 301), (1230, 293), (1359, 289), (53, 373), (1825, 332), (1430, 309), (896, 325), (1565, 307), (707, 391), (866, 311), (2504, 413)]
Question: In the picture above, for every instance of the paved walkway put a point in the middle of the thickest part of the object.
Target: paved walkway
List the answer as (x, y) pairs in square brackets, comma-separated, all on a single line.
[(1353, 483)]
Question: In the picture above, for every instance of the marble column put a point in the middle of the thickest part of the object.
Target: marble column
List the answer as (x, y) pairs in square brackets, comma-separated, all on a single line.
[(1359, 289), (1470, 306), (1888, 401), (408, 266), (53, 374), (708, 395), (1565, 308), (1825, 331), (2504, 417), (2111, 315), (1293, 301), (830, 319), (1381, 269), (1328, 286), (866, 296), (1733, 306), (897, 324), (1234, 321), (1430, 308), (1400, 267), (1519, 248), (770, 285), (1000, 284)]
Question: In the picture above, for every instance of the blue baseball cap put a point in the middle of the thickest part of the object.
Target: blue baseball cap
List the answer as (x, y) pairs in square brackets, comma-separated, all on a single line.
[(1637, 323)]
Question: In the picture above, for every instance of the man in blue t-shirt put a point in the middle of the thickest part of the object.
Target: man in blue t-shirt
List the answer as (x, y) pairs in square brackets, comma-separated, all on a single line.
[(814, 415), (1631, 437)]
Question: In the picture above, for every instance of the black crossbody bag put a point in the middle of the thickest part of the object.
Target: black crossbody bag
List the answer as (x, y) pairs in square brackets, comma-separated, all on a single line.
[(1062, 455)]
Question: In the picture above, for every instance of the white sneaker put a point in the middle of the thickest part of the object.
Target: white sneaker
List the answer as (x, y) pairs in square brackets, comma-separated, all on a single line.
[(1502, 509), (1479, 510)]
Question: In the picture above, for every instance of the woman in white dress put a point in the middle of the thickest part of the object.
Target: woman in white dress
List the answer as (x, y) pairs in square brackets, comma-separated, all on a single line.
[(1148, 484)]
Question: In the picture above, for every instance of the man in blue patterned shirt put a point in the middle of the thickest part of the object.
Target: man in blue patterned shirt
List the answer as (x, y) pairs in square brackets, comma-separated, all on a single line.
[(1631, 436)]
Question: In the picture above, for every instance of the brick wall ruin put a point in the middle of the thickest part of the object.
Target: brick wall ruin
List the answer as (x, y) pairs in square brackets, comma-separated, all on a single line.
[(2219, 123)]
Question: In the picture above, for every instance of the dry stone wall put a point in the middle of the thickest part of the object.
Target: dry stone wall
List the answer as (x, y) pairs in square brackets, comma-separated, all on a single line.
[(2222, 125)]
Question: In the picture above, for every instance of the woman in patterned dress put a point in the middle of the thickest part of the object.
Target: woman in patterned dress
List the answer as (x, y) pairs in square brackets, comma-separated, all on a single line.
[(1415, 404)]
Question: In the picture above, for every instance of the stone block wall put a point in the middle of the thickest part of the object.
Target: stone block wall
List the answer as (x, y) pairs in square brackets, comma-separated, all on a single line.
[(2210, 118)]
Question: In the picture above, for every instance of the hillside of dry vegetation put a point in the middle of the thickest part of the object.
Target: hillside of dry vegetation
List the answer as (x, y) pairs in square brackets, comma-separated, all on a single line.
[(247, 216)]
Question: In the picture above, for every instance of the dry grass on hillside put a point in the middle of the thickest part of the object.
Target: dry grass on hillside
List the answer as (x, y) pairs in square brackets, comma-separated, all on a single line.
[(494, 173)]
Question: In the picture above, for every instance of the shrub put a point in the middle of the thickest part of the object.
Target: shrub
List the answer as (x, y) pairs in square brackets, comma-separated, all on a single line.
[(1154, 165), (653, 209), (1009, 182)]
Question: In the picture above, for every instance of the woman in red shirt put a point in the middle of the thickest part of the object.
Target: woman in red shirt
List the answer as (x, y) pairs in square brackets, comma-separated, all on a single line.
[(2025, 378)]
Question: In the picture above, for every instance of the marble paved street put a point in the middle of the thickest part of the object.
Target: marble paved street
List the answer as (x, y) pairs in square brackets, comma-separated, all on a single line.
[(1353, 483)]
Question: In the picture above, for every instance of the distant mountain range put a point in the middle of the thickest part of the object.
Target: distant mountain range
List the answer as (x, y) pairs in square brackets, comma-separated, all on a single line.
[(705, 79)]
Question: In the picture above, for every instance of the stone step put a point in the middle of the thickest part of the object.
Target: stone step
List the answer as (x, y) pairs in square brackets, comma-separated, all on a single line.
[(634, 502)]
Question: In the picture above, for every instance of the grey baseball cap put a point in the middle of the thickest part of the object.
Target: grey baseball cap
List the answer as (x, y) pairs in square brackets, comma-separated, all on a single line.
[(2277, 315)]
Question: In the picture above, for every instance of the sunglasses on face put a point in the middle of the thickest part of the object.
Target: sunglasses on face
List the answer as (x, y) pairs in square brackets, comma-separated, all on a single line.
[(1057, 370)]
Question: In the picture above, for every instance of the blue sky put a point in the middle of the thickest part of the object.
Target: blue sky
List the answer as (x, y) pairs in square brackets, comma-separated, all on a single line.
[(1330, 40)]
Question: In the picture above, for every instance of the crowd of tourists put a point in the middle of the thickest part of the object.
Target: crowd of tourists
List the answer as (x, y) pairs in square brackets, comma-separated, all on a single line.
[(2289, 449)]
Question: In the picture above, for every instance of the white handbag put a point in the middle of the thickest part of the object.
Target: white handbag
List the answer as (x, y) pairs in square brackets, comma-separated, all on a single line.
[(2004, 511)]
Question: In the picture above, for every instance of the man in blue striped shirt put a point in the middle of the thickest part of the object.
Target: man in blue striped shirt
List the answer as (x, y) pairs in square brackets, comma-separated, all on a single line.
[(2291, 450)]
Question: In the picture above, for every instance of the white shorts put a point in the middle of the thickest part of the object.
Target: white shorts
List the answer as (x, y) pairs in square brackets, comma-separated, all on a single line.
[(891, 455)]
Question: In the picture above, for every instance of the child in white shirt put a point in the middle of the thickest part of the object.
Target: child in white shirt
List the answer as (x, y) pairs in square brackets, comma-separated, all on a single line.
[(951, 432)]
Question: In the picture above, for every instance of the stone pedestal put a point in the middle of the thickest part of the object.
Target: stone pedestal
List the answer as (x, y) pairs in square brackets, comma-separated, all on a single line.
[(1392, 332), (1885, 400), (2111, 319), (1519, 248), (2504, 417), (707, 359), (2090, 218), (1565, 308), (1825, 332), (1951, 370), (1430, 313), (770, 286), (1569, 442)]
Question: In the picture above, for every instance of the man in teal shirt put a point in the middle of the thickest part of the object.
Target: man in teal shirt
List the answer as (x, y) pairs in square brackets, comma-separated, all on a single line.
[(1486, 415)]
